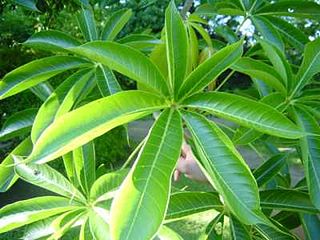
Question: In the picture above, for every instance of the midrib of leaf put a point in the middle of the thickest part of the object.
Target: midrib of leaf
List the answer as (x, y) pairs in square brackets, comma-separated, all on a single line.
[(150, 173), (303, 76), (223, 114), (171, 60), (219, 176)]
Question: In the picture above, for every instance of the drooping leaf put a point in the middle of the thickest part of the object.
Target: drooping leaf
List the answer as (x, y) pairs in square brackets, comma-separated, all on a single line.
[(183, 204), (106, 81), (309, 67), (7, 174), (288, 200), (267, 30), (115, 24), (148, 183), (226, 170), (290, 33), (262, 71), (104, 187), (24, 212), (51, 40), (127, 61), (37, 71), (211, 69), (304, 9), (310, 148), (80, 126), (48, 178), (177, 47), (87, 23), (238, 230), (85, 165), (245, 112), (266, 171), (18, 124), (63, 99)]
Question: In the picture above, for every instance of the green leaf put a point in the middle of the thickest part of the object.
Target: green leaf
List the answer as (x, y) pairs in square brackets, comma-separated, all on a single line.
[(227, 33), (303, 9), (127, 61), (63, 99), (262, 71), (238, 230), (268, 32), (106, 81), (224, 8), (99, 224), (225, 168), (211, 69), (290, 33), (148, 182), (278, 60), (166, 233), (85, 232), (193, 52), (85, 165), (87, 24), (29, 4), (70, 169), (39, 229), (183, 204), (309, 67), (269, 169), (37, 71), (246, 112), (48, 178), (104, 187), (24, 212), (51, 40), (42, 90), (177, 47), (271, 233), (141, 41), (204, 34), (310, 147), (311, 226), (115, 24), (288, 200), (18, 124), (7, 175), (80, 126)]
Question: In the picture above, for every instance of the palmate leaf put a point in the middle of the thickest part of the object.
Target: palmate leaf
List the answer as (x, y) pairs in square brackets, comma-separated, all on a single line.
[(304, 9), (245, 112), (226, 170), (7, 174), (37, 71), (18, 124), (310, 148), (148, 182), (176, 46), (63, 99), (51, 40), (24, 212), (210, 69), (80, 126), (115, 24), (127, 61), (48, 178), (84, 161), (183, 204)]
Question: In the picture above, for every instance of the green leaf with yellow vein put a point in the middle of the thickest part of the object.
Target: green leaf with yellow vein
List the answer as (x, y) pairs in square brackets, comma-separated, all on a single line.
[(148, 183)]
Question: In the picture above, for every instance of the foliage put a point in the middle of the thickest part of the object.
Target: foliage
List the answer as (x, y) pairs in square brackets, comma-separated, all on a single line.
[(178, 81)]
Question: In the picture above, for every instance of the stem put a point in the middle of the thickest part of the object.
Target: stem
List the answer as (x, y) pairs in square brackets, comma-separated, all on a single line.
[(225, 80), (186, 7), (133, 154)]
